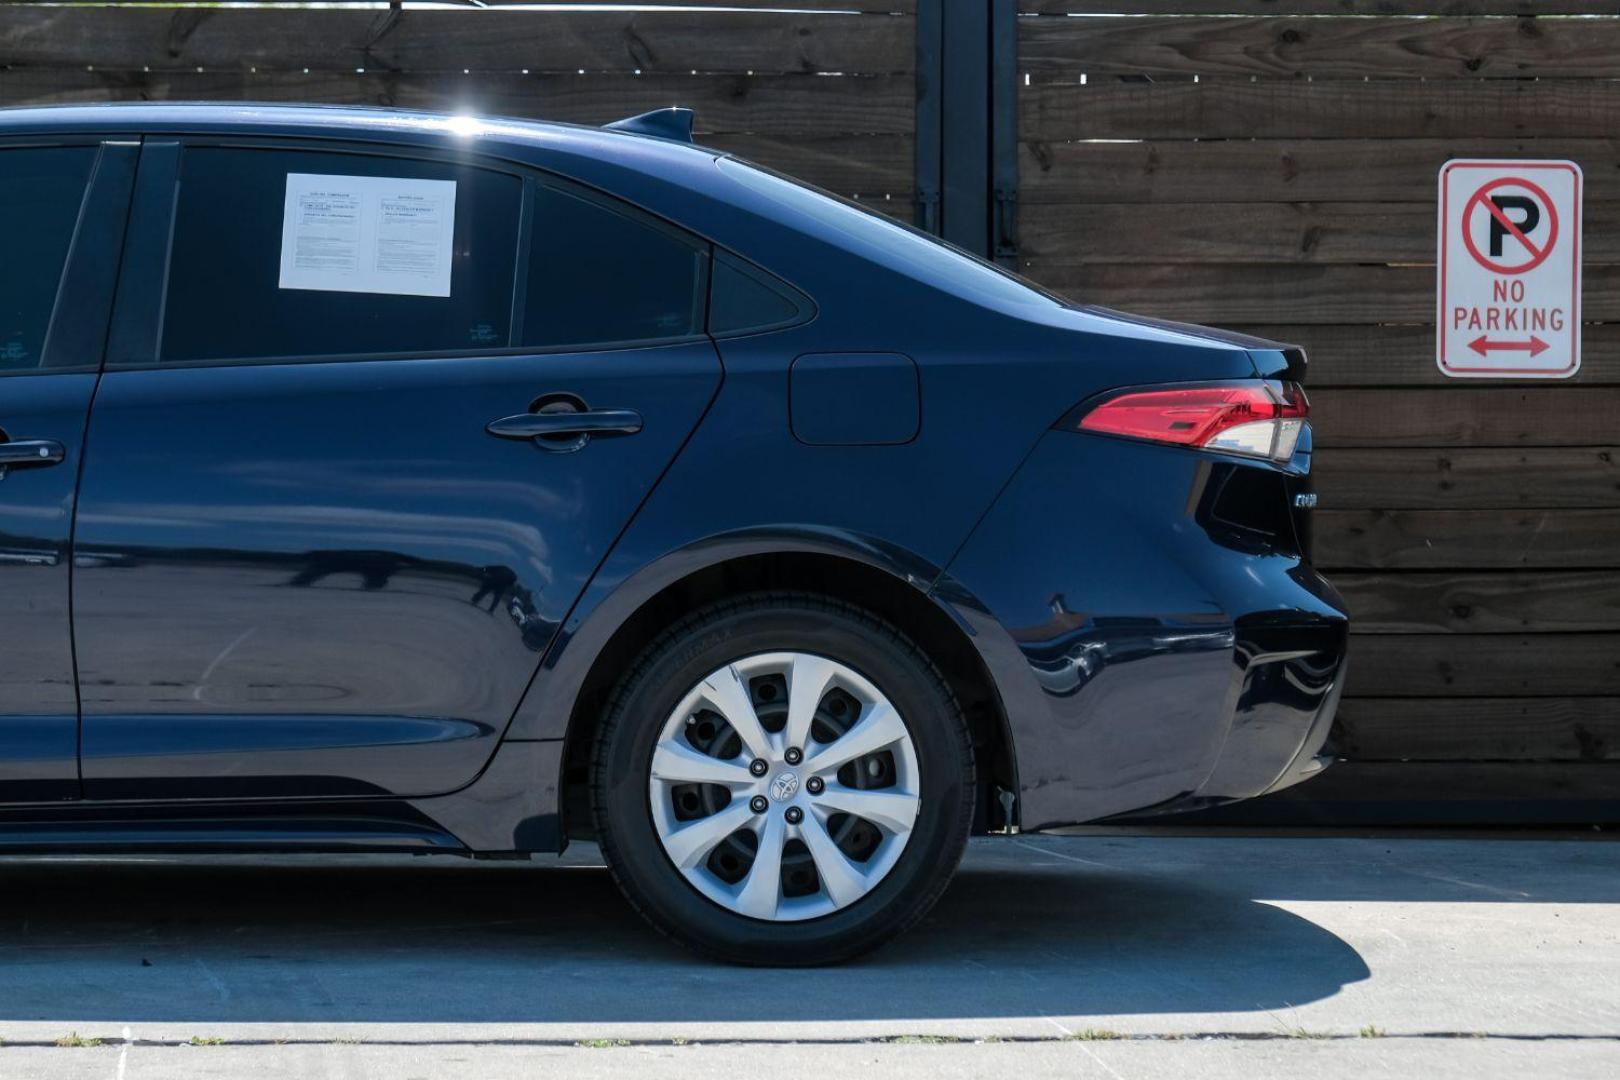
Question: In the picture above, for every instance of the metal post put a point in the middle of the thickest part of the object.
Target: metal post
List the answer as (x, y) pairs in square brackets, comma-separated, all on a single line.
[(965, 125), (1004, 131), (930, 75)]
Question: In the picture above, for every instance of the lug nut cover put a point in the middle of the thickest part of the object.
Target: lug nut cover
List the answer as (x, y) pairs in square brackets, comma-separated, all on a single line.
[(758, 804), (794, 815)]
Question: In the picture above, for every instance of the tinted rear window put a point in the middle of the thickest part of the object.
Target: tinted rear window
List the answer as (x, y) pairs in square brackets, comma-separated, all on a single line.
[(41, 190), (742, 298), (225, 300), (601, 274)]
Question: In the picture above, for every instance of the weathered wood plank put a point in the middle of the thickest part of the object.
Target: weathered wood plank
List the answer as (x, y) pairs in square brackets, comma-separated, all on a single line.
[(1481, 602), (1283, 232), (1403, 355), (863, 165), (1281, 170), (1308, 7), (1484, 665), (875, 7), (1472, 415), (1062, 50), (1305, 294), (133, 39), (1287, 109), (780, 105), (1468, 479), (1403, 794), (1466, 539), (1479, 729), (898, 7)]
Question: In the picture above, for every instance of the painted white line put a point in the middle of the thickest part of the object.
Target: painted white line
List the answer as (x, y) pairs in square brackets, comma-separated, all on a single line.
[(1061, 854), (123, 1053), (1511, 894), (1069, 1034), (219, 986), (1092, 1054)]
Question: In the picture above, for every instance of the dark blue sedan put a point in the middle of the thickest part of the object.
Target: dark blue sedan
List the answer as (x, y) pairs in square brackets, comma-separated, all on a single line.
[(375, 481)]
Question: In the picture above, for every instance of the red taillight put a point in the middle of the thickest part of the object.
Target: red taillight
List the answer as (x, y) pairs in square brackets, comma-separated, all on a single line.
[(1256, 419)]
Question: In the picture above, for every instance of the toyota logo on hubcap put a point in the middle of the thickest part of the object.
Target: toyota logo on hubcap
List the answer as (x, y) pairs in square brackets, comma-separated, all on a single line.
[(784, 787)]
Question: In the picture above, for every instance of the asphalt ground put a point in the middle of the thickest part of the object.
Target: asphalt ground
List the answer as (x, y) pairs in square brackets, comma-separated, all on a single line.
[(1109, 955)]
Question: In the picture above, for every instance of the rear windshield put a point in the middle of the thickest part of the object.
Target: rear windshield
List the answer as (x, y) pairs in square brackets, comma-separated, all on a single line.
[(887, 241)]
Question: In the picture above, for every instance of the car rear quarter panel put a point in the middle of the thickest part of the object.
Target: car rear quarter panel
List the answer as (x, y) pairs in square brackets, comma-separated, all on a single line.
[(1114, 623), (991, 384)]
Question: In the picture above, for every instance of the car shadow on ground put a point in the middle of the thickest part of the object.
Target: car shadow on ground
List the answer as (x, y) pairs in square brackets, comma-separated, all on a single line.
[(446, 941)]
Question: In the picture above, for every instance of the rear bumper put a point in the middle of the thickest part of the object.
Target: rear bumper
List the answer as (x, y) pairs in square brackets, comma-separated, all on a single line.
[(1291, 677), (1148, 655), (1313, 756)]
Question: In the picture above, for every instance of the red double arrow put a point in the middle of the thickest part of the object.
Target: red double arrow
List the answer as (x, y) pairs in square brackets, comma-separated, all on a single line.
[(1535, 346)]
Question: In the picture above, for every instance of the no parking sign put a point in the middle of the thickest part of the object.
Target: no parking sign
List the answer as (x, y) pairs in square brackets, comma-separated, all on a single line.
[(1510, 269)]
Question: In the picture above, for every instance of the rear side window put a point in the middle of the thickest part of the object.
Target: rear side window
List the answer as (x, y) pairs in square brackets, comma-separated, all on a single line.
[(743, 299), (600, 275), (41, 190), (368, 246)]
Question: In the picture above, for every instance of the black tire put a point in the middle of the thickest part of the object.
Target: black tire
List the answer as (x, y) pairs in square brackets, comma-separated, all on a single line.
[(729, 631)]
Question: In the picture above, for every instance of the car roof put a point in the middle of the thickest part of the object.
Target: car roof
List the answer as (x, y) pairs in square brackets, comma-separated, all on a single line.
[(363, 123), (659, 174)]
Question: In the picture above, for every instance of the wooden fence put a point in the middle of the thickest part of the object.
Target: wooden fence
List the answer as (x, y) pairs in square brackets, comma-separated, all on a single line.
[(1265, 164), (825, 91), (1271, 165)]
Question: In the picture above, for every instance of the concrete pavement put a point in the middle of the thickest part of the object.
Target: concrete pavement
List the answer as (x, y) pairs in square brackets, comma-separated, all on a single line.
[(1108, 955)]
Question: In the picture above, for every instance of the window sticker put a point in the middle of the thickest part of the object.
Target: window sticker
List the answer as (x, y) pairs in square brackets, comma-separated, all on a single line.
[(368, 234)]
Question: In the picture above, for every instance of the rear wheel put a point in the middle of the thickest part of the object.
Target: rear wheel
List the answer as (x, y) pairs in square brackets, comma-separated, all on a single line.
[(783, 780)]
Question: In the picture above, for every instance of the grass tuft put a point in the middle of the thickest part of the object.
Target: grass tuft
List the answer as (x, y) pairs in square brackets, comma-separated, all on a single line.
[(75, 1039)]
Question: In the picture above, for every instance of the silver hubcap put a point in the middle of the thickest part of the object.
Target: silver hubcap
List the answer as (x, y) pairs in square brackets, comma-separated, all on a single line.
[(784, 786)]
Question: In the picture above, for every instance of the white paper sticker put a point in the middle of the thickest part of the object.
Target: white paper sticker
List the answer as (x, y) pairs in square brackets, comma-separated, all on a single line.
[(368, 234)]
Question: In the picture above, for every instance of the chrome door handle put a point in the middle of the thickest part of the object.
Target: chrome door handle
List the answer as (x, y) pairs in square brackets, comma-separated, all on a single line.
[(22, 452), (566, 425)]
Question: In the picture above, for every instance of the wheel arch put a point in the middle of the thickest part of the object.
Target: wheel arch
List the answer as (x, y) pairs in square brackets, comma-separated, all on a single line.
[(851, 580)]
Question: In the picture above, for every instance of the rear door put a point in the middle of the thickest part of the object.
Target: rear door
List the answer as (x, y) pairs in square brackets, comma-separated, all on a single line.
[(62, 208), (319, 550)]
